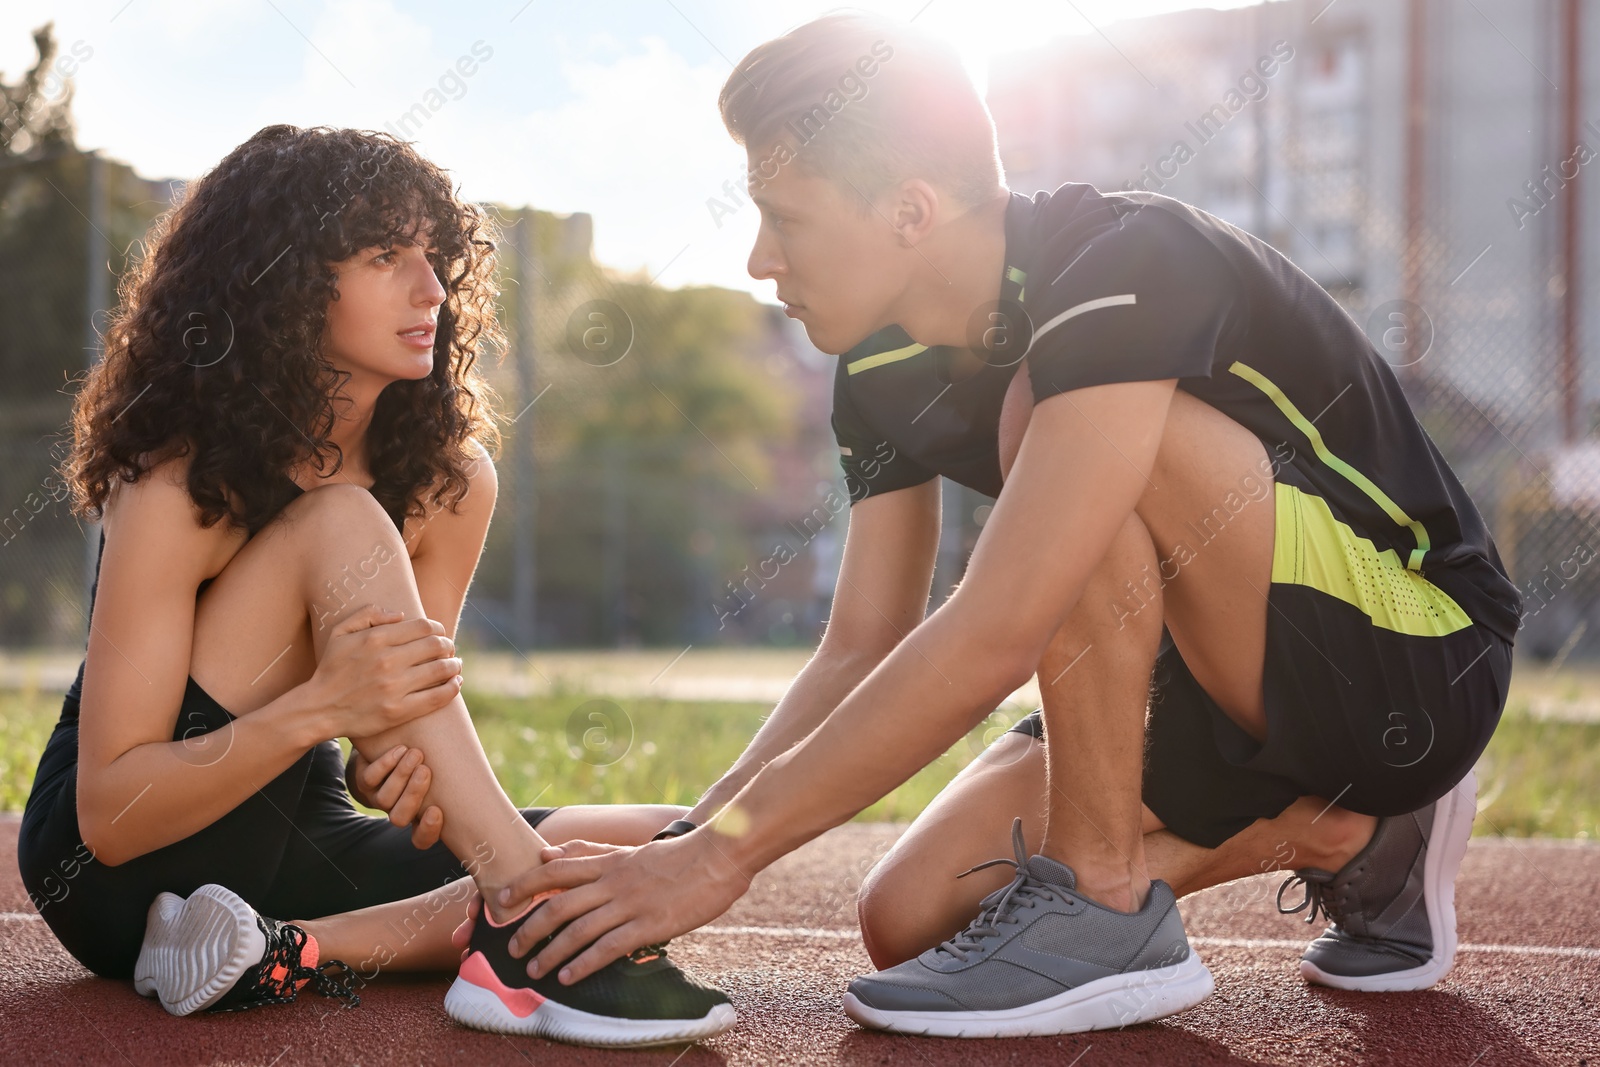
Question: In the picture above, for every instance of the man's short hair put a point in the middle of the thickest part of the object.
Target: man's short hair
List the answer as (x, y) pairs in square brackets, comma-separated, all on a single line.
[(867, 102)]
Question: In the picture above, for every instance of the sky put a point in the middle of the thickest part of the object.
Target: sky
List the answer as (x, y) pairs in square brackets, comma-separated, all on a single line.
[(606, 106)]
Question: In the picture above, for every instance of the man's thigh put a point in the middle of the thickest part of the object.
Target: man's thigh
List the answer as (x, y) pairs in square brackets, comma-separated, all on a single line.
[(1212, 517)]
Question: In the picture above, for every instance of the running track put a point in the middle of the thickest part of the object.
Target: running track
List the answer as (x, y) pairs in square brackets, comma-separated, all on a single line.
[(1526, 988)]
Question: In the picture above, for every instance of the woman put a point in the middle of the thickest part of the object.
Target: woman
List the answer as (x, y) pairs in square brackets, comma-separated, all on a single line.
[(285, 445)]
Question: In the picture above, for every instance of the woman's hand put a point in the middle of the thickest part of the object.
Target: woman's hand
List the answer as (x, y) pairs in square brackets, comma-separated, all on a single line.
[(619, 899), (397, 783), (380, 670)]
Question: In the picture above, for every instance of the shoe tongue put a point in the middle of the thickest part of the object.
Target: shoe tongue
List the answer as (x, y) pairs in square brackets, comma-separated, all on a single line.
[(1048, 870), (311, 953)]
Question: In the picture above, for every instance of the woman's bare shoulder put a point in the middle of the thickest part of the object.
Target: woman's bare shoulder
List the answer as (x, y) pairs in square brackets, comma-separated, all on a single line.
[(157, 510)]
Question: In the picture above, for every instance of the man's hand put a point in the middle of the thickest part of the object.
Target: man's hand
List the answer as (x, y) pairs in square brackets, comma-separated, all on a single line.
[(620, 898), (397, 782)]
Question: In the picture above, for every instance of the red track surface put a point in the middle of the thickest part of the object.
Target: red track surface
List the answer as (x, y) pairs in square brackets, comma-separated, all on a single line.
[(1526, 988)]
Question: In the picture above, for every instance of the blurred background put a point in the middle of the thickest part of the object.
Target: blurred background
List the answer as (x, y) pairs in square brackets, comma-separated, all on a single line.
[(1430, 162)]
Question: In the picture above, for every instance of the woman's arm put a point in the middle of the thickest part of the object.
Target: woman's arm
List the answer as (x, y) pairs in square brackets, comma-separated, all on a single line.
[(447, 544), (138, 789)]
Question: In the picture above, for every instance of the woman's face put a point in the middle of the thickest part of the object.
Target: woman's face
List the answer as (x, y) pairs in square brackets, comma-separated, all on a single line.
[(381, 327)]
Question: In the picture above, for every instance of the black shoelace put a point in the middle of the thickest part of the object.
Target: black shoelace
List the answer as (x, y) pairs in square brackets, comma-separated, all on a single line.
[(331, 978), (646, 953), (1000, 907), (642, 954), (1318, 895)]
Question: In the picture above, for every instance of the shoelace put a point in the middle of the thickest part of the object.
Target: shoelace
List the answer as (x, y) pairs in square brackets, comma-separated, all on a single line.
[(1318, 895), (646, 953), (642, 954), (999, 908), (280, 969)]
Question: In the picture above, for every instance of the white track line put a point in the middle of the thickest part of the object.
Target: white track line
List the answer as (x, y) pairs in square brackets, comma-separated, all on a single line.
[(822, 934), (1198, 942), (1519, 950)]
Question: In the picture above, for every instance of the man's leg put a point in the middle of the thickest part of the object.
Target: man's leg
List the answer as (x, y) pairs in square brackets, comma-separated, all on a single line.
[(1196, 555), (913, 899)]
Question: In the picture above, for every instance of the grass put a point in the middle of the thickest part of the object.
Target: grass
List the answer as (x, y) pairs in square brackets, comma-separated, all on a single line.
[(564, 749), (1537, 779)]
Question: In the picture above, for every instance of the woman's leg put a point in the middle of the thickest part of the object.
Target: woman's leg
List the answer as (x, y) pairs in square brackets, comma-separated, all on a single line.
[(414, 934), (263, 625)]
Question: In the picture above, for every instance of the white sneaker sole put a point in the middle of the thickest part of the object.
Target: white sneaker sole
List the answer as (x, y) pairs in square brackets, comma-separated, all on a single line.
[(472, 1005), (1107, 1004), (195, 950), (1453, 816)]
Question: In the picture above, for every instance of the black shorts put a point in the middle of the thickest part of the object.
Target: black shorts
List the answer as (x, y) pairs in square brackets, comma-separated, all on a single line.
[(1380, 719), (296, 849)]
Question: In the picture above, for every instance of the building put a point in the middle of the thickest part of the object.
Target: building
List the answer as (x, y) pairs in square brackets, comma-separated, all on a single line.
[(1435, 165), (1293, 120)]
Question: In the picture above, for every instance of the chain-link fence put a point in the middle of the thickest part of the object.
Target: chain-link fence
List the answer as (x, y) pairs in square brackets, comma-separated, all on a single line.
[(668, 474), (1430, 165)]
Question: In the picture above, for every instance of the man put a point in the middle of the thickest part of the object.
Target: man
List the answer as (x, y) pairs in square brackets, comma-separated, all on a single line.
[(1217, 508)]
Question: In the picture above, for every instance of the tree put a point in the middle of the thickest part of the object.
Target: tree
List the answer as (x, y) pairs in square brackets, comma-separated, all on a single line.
[(46, 259)]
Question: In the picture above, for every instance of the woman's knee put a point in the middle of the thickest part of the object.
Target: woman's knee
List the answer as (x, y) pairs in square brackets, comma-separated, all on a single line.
[(340, 509), (303, 570), (345, 540)]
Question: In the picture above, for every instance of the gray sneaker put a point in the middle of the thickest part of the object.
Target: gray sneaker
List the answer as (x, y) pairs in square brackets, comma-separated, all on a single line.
[(1392, 906), (1040, 958)]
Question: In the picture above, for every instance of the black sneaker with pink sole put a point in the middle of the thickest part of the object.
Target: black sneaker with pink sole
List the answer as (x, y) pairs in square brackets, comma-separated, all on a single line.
[(640, 1000)]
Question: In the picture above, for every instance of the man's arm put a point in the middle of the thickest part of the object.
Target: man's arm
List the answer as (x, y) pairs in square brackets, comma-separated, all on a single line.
[(1085, 462), (882, 595)]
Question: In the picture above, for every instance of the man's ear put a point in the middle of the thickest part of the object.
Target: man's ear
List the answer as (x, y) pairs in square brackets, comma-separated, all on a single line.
[(914, 210)]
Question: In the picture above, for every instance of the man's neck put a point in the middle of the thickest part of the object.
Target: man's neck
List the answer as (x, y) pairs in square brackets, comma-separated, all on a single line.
[(959, 277)]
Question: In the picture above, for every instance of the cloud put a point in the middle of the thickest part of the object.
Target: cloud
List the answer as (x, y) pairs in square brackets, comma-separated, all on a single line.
[(637, 140)]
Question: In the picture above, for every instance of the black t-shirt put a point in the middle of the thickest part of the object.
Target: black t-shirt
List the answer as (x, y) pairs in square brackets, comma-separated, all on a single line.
[(1135, 286)]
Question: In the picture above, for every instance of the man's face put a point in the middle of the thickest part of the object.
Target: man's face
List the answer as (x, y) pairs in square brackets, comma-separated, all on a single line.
[(838, 263)]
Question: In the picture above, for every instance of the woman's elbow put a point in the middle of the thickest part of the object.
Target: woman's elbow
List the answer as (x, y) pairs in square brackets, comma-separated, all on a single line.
[(100, 835), (102, 845)]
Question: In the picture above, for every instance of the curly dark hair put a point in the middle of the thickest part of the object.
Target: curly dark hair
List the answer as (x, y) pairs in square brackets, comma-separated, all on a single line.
[(215, 351)]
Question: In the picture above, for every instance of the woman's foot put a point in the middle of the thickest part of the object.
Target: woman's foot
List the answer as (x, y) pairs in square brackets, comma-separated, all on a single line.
[(642, 999), (213, 952)]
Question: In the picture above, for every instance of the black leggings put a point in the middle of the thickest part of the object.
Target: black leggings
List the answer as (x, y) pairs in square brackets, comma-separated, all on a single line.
[(296, 849)]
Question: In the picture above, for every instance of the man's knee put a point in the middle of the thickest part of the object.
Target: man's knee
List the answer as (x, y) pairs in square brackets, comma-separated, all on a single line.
[(888, 908)]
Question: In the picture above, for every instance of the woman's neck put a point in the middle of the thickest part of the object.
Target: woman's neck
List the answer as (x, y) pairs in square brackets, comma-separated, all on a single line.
[(350, 435)]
